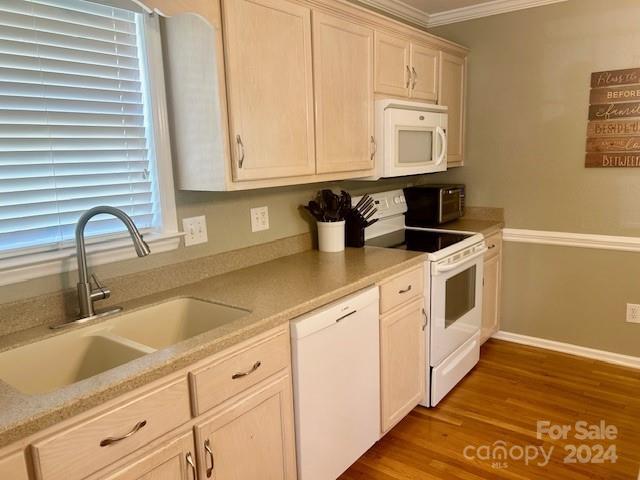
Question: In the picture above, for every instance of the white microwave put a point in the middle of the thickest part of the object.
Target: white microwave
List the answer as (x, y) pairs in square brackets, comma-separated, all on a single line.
[(412, 138)]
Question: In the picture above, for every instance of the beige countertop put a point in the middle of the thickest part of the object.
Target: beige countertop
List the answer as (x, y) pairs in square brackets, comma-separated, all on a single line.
[(274, 292)]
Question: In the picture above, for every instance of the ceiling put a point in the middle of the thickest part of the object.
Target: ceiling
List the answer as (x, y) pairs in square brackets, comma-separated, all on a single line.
[(437, 6), (431, 13)]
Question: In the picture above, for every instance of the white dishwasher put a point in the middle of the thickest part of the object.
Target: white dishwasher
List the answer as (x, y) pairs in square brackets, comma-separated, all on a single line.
[(336, 384)]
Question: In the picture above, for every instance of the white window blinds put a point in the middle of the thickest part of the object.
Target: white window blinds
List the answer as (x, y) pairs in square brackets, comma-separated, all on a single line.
[(73, 128)]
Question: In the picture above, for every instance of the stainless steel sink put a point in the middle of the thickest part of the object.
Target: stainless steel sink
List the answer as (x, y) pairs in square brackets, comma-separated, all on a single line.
[(54, 363), (173, 321), (75, 355)]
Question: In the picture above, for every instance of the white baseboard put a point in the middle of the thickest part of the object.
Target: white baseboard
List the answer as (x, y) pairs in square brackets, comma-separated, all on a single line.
[(602, 355)]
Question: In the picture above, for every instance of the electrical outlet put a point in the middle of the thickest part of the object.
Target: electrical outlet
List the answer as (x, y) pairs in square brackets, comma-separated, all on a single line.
[(259, 219), (195, 229), (633, 313)]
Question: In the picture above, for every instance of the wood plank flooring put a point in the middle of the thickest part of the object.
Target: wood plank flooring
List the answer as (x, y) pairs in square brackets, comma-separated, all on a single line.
[(502, 399)]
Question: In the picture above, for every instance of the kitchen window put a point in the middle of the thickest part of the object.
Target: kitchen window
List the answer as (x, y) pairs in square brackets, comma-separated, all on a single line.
[(82, 123)]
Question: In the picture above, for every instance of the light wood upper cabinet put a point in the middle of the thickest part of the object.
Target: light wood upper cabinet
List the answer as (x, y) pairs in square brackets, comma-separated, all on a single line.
[(270, 88), (343, 73), (392, 65), (406, 69), (453, 70), (492, 287), (253, 437), (173, 460), (424, 71)]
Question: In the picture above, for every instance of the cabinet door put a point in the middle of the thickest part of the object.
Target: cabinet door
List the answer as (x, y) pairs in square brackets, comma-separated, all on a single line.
[(14, 467), (251, 436), (175, 460), (452, 94), (343, 72), (491, 297), (392, 65), (402, 361), (270, 87), (424, 70)]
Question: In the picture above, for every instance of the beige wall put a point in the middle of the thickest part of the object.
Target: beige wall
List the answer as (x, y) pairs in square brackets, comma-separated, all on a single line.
[(527, 113)]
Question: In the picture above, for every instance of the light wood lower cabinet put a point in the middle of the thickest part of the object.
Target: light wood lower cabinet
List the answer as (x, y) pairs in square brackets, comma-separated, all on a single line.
[(343, 73), (14, 467), (251, 436), (492, 287), (270, 88), (403, 346), (452, 94), (173, 460)]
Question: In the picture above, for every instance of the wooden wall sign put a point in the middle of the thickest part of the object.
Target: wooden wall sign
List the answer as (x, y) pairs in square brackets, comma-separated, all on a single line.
[(613, 131)]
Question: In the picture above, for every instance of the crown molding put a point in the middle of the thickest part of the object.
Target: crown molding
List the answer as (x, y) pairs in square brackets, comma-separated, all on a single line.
[(400, 9), (486, 9)]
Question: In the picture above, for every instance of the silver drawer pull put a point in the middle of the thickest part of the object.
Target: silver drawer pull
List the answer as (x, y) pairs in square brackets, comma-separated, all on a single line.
[(192, 465), (405, 290), (426, 320), (244, 374), (492, 246), (111, 440), (207, 447)]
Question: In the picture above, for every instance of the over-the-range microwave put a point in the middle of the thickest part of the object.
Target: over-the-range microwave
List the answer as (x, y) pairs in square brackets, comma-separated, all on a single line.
[(411, 138)]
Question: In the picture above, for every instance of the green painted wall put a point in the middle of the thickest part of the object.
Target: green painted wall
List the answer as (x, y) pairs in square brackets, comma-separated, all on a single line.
[(529, 74)]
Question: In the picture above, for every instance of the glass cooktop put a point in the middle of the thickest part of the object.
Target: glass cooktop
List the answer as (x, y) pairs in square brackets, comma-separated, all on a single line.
[(417, 240)]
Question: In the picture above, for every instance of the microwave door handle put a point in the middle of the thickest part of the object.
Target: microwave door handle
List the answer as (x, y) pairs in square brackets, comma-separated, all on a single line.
[(453, 266), (443, 139)]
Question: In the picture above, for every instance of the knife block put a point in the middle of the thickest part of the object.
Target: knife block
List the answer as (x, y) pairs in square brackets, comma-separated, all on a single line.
[(354, 232)]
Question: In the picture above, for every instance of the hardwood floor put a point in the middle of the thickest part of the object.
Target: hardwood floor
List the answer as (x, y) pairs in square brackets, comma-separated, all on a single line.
[(502, 399)]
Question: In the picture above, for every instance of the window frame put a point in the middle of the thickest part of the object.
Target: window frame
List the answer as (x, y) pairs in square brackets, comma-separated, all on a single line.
[(20, 265)]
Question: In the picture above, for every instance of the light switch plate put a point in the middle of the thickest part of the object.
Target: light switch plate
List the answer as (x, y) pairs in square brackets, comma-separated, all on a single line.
[(195, 229), (259, 219)]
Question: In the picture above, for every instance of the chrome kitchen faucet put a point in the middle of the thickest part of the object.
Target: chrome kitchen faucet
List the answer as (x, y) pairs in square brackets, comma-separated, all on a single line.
[(86, 293)]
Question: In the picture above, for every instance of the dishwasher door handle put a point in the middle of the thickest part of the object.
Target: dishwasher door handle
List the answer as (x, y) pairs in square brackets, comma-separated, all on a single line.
[(345, 316)]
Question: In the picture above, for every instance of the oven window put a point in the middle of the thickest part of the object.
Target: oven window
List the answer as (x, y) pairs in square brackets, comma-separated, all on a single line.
[(461, 295), (415, 146)]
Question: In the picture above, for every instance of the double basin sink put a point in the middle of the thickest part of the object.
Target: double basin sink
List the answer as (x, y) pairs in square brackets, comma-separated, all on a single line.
[(81, 353)]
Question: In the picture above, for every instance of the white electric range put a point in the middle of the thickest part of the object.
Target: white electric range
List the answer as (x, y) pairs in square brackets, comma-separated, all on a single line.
[(453, 290)]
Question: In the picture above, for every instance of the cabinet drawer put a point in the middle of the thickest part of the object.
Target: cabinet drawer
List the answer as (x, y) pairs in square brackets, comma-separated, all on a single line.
[(494, 245), (224, 378), (403, 288), (89, 446)]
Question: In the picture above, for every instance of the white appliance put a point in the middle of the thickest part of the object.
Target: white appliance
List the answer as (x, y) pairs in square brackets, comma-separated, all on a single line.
[(453, 289), (411, 136), (336, 384)]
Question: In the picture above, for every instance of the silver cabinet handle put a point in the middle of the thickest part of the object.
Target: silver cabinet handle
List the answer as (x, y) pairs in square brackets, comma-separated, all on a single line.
[(405, 290), (415, 78), (374, 147), (249, 372), (426, 320), (192, 465), (241, 147), (408, 77), (207, 448), (492, 247), (111, 440)]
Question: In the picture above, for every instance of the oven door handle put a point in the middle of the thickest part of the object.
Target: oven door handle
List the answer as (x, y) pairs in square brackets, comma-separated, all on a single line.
[(443, 139), (447, 268)]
